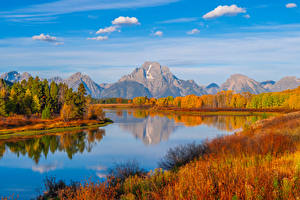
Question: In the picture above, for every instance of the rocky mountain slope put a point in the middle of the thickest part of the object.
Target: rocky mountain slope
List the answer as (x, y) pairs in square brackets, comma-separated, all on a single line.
[(161, 82), (212, 88), (91, 87), (289, 82), (126, 89), (241, 83), (268, 84)]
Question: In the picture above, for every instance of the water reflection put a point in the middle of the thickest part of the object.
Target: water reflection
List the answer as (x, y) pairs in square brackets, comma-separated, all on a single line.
[(69, 142), (152, 130), (150, 127), (154, 127), (45, 168), (139, 135)]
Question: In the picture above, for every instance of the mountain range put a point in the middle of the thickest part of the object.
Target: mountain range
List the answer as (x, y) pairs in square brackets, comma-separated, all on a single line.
[(155, 80)]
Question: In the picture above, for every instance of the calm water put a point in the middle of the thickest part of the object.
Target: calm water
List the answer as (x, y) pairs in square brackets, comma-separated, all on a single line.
[(135, 135)]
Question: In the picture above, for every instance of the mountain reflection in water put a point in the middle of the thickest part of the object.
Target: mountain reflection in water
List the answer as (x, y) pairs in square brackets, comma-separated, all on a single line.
[(153, 127)]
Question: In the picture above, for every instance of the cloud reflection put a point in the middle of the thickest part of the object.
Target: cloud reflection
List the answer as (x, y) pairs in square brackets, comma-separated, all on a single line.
[(45, 168)]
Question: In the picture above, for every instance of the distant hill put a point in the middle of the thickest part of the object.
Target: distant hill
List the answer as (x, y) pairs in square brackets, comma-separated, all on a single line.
[(14, 76), (126, 89), (155, 80), (241, 83), (76, 79), (92, 88), (267, 84), (56, 79), (289, 82), (212, 88)]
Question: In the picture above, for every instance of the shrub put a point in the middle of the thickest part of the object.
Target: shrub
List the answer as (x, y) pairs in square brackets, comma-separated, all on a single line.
[(54, 187), (95, 112), (67, 112), (90, 191), (183, 154), (121, 171)]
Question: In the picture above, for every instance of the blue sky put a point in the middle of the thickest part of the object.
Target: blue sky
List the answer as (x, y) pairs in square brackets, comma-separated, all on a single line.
[(201, 40)]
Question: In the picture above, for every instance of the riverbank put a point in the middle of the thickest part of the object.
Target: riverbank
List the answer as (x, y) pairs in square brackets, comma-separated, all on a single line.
[(201, 112), (123, 106), (28, 127), (260, 162), (222, 110)]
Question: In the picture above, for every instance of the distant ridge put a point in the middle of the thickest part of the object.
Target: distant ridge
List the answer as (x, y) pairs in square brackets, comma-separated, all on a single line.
[(268, 85), (14, 76), (289, 82), (92, 88), (155, 80), (212, 88), (126, 89), (241, 83)]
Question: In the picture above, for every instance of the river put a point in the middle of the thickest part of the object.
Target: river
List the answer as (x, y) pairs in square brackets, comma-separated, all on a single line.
[(138, 135)]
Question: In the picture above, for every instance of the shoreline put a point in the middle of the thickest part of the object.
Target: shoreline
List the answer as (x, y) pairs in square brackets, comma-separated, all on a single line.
[(11, 133), (225, 109), (123, 106), (196, 111)]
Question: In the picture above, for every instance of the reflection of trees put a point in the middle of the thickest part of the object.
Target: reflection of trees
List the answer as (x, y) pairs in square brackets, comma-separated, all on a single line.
[(158, 126), (224, 123), (71, 143)]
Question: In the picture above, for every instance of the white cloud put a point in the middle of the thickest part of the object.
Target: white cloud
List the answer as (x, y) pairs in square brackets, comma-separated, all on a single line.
[(46, 38), (99, 38), (158, 33), (247, 16), (193, 32), (291, 5), (109, 29), (179, 20), (224, 11), (125, 21)]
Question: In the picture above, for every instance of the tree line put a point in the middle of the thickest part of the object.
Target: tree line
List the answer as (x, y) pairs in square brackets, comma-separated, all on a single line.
[(114, 100), (288, 99), (46, 100)]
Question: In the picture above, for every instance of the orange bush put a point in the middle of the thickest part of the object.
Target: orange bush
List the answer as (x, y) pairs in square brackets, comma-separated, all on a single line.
[(90, 190), (95, 112)]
